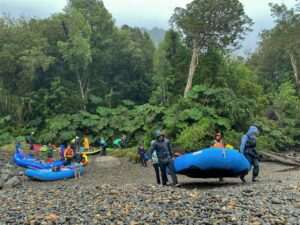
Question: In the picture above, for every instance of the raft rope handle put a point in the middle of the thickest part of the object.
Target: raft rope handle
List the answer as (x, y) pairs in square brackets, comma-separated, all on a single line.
[(224, 153)]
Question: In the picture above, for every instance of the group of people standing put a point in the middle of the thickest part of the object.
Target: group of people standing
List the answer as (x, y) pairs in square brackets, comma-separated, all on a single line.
[(161, 155), (69, 155)]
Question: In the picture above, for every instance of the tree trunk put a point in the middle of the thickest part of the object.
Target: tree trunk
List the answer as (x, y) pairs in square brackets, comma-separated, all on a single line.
[(81, 90), (275, 157), (296, 72), (192, 69)]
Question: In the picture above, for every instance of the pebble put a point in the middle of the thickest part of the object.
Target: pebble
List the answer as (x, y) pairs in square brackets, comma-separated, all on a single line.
[(297, 205), (276, 201), (125, 194)]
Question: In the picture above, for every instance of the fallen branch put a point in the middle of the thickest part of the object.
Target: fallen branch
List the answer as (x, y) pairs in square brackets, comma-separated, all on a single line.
[(276, 157)]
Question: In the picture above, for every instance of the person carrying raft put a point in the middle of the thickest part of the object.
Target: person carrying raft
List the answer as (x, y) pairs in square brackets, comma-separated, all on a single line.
[(218, 143), (248, 149), (164, 153)]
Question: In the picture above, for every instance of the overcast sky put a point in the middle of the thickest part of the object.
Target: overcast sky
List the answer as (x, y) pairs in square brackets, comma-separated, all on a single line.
[(145, 13)]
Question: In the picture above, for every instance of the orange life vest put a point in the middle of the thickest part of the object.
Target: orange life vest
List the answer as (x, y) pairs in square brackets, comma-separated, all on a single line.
[(217, 144), (69, 153)]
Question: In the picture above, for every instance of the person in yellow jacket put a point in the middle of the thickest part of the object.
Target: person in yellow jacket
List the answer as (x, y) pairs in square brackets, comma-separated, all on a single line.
[(86, 144)]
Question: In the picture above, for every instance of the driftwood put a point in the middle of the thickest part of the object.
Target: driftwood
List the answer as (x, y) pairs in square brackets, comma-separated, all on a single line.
[(280, 158)]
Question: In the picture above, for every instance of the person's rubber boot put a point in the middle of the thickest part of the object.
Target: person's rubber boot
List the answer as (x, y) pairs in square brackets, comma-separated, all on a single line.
[(243, 179), (176, 185), (254, 180)]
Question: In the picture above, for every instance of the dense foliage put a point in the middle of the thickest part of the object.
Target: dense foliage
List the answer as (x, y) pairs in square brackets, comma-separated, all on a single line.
[(76, 73)]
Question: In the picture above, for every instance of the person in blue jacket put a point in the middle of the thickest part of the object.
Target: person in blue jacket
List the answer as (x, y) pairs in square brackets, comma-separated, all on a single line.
[(248, 149), (103, 145), (18, 146)]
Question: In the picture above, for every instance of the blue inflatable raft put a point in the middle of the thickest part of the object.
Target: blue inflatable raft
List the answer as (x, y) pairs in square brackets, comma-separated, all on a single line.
[(28, 161), (49, 175), (212, 163)]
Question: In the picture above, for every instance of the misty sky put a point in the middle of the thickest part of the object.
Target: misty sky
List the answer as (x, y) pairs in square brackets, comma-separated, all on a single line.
[(145, 13)]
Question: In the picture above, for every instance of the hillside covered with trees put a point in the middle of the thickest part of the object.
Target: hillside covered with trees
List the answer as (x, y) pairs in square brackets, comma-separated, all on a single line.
[(77, 73)]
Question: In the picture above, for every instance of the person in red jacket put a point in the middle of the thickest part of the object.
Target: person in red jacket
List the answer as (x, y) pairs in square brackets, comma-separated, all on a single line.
[(68, 154)]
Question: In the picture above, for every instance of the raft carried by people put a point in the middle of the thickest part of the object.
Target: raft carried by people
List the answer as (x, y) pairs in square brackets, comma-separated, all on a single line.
[(60, 173), (212, 163), (27, 161)]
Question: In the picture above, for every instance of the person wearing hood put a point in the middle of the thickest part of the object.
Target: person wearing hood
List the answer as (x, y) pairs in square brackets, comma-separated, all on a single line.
[(164, 154), (248, 149)]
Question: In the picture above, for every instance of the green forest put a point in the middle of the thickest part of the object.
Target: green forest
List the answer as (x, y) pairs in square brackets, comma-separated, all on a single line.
[(77, 73)]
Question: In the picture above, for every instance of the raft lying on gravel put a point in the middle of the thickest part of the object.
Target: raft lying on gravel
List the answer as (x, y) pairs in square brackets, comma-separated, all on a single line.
[(49, 175), (28, 161), (212, 163)]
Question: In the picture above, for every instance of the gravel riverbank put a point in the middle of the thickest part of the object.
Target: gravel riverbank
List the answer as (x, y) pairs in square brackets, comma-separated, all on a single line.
[(116, 191)]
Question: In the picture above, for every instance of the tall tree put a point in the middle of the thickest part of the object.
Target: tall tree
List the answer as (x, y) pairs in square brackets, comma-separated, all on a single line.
[(171, 63), (206, 23), (286, 34), (77, 50)]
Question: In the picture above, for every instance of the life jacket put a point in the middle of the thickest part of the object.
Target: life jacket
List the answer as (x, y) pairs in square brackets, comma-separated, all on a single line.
[(69, 153), (216, 144), (250, 144)]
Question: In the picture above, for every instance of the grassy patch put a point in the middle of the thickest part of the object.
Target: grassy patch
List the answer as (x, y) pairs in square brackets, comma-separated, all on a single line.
[(130, 153)]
